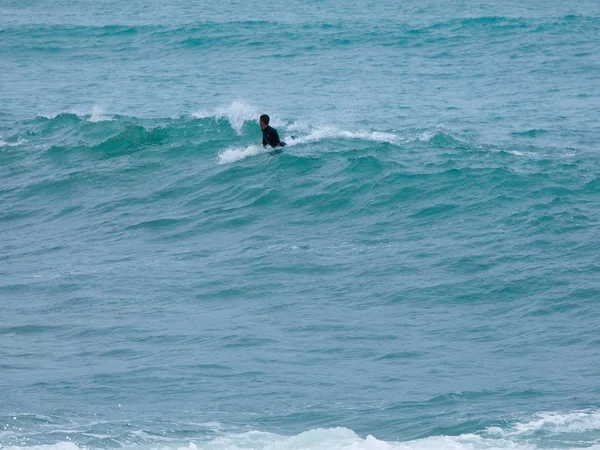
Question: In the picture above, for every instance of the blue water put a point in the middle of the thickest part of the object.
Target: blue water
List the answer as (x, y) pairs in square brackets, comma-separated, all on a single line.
[(419, 269)]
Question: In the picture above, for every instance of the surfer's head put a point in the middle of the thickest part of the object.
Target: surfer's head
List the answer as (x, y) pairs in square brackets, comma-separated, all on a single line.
[(264, 121)]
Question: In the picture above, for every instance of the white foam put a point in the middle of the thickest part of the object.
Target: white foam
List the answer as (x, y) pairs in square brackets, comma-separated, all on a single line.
[(97, 114), (299, 126), (238, 153), (556, 423), (329, 439), (520, 153), (58, 446), (50, 115), (427, 136), (202, 114), (345, 439), (319, 134), (317, 439), (20, 141), (237, 113)]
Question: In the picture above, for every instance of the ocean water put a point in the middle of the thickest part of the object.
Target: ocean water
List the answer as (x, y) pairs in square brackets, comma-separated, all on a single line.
[(419, 269)]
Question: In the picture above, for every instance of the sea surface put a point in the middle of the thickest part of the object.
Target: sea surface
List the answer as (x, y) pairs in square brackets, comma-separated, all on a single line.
[(418, 269)]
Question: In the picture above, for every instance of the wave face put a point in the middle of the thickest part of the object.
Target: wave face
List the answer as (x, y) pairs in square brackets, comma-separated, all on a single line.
[(418, 269)]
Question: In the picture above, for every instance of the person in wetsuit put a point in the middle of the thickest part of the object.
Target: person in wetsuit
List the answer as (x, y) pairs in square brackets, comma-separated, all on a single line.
[(270, 135)]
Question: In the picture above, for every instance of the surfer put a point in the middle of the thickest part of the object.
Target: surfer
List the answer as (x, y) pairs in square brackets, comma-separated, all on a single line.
[(270, 135)]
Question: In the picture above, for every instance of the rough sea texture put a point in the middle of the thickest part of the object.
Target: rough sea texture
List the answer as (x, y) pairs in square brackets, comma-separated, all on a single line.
[(419, 269)]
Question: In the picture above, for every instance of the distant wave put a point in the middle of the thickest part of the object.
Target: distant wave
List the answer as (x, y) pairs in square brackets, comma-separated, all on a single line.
[(129, 27), (529, 133)]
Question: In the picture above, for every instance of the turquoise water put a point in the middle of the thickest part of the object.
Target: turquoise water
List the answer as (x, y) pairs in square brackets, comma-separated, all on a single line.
[(419, 269)]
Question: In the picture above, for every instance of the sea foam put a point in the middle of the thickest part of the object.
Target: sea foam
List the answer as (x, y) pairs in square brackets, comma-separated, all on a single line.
[(329, 439)]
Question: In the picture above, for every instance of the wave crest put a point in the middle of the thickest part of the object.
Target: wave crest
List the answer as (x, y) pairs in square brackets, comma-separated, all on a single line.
[(553, 423), (237, 114), (345, 439)]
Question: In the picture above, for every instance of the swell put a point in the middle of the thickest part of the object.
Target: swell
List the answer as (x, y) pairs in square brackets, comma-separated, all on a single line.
[(229, 135), (210, 26), (307, 37), (202, 169)]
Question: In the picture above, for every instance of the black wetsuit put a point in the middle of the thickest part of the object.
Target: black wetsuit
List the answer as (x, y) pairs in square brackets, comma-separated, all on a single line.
[(271, 137)]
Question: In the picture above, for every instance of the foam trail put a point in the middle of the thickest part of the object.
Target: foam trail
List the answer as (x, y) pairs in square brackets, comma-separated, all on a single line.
[(236, 154), (20, 141), (335, 133), (519, 153)]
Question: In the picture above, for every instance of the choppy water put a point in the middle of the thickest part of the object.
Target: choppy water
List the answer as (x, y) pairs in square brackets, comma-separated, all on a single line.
[(420, 269)]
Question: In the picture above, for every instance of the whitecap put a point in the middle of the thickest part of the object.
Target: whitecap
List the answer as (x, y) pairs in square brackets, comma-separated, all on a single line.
[(556, 423), (237, 113), (97, 114)]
